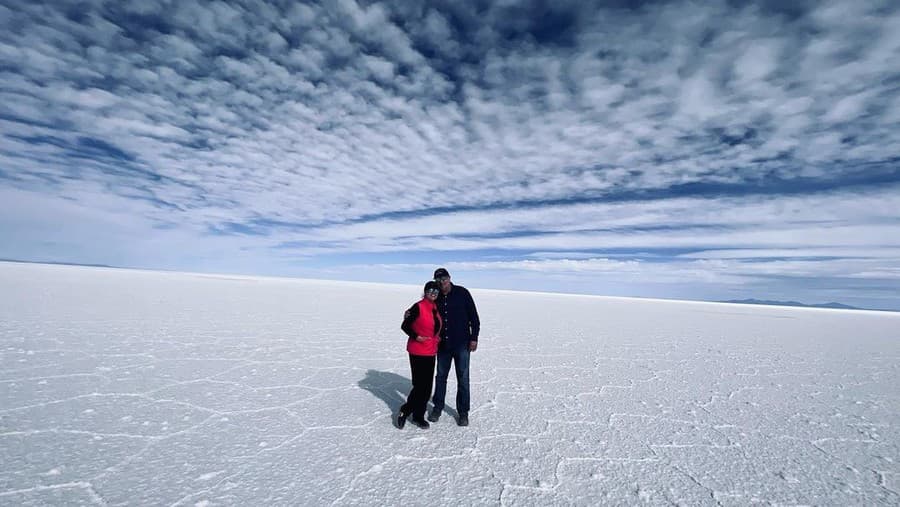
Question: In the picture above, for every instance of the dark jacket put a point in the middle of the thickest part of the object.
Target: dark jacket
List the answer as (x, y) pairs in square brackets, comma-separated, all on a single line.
[(461, 324)]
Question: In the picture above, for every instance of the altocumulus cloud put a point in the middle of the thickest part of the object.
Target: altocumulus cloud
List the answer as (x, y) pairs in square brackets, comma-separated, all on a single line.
[(678, 149)]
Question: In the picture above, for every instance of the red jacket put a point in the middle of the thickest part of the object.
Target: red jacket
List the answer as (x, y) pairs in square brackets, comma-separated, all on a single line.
[(422, 319)]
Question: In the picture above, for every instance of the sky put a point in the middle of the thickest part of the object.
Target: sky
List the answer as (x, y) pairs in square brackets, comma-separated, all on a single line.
[(695, 150)]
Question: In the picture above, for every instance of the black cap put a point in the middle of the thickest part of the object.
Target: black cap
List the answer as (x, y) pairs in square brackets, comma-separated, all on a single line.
[(440, 272), (431, 285)]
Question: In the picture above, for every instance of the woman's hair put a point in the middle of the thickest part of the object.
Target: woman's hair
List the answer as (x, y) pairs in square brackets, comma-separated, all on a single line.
[(431, 285)]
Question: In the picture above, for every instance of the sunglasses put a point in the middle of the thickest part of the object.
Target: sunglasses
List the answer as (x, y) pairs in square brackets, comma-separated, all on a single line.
[(432, 292), (442, 279)]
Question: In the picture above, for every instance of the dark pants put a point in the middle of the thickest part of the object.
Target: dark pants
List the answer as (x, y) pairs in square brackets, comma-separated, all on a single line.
[(422, 368), (460, 359)]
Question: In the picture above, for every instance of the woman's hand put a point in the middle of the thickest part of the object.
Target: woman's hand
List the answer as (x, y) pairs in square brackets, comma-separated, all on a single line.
[(421, 339)]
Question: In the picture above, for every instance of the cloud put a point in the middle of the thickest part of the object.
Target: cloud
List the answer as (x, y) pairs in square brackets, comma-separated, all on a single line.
[(382, 127)]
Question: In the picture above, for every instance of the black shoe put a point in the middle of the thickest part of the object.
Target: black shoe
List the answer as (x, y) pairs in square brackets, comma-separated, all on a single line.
[(434, 415), (422, 423), (463, 420), (401, 419)]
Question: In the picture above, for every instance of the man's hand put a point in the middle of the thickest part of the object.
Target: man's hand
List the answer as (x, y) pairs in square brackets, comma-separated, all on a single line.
[(473, 346), (421, 339)]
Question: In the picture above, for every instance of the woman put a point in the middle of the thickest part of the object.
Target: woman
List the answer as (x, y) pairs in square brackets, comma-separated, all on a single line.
[(422, 323)]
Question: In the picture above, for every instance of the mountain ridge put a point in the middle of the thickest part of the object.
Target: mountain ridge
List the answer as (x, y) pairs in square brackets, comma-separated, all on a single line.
[(769, 302)]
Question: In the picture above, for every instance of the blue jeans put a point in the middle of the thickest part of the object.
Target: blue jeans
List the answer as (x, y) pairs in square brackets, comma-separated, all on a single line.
[(460, 358)]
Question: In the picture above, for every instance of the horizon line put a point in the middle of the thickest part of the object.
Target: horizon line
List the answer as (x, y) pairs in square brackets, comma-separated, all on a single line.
[(763, 303)]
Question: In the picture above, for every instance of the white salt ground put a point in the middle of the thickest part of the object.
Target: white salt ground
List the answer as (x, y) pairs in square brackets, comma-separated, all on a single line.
[(133, 387)]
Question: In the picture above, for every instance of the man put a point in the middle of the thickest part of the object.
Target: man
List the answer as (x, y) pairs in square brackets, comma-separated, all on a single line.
[(459, 338)]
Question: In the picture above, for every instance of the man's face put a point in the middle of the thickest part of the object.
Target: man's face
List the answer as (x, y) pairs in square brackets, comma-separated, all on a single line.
[(445, 283)]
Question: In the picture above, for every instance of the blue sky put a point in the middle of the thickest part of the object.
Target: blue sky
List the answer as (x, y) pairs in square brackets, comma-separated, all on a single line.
[(699, 150)]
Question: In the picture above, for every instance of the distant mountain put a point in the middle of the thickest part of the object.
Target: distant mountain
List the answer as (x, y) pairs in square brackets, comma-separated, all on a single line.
[(59, 263), (839, 306)]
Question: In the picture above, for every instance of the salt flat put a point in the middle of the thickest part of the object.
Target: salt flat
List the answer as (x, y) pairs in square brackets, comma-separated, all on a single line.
[(144, 388)]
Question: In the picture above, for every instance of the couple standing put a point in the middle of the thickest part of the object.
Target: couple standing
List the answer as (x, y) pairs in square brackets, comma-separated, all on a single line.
[(444, 323)]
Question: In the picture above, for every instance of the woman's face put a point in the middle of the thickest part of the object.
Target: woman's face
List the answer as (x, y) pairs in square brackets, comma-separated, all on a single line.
[(431, 294)]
